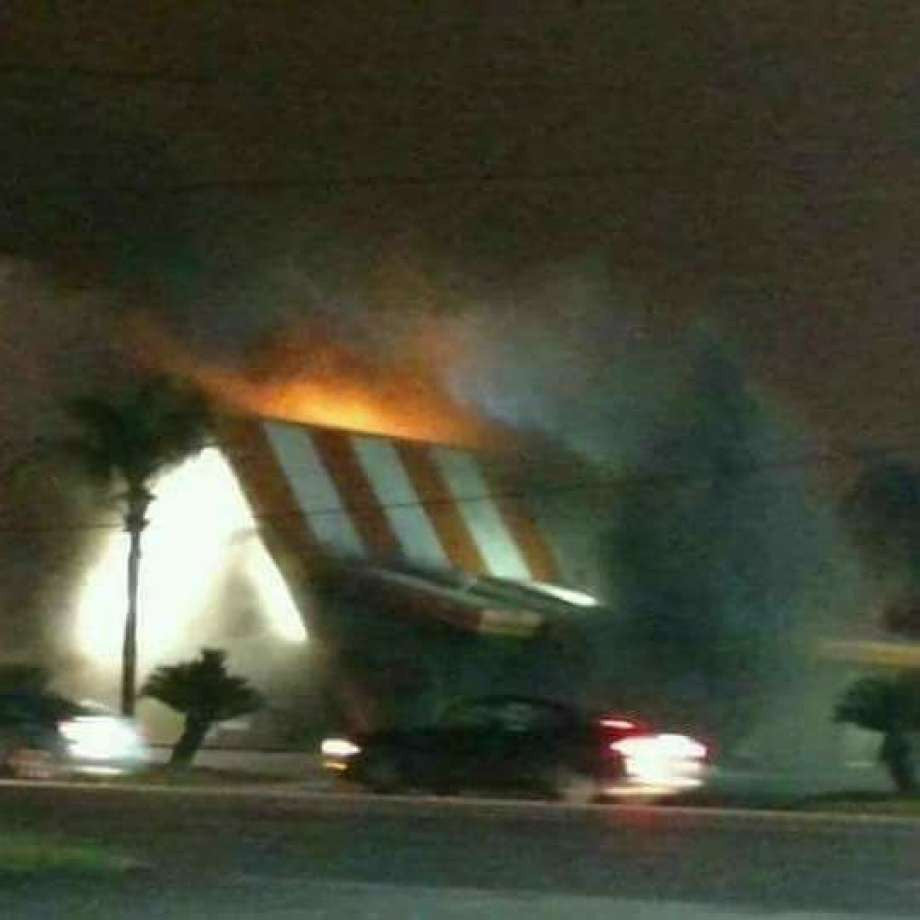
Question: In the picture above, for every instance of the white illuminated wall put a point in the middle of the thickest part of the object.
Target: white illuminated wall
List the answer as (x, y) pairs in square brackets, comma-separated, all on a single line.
[(200, 546)]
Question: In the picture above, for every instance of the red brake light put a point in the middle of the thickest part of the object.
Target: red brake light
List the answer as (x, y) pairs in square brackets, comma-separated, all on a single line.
[(619, 724)]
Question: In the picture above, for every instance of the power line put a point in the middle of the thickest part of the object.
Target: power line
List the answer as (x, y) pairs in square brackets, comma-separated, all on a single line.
[(566, 81), (584, 486), (459, 179), (168, 78), (331, 180), (394, 180), (66, 528)]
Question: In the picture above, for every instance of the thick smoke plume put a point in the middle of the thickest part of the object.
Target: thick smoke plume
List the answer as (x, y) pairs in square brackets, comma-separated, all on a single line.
[(723, 559), (406, 348)]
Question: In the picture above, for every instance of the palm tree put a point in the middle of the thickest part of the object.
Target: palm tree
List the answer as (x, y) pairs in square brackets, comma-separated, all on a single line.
[(205, 693), (124, 443), (890, 705)]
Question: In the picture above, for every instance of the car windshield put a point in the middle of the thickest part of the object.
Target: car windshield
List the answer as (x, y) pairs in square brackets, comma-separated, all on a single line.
[(508, 714)]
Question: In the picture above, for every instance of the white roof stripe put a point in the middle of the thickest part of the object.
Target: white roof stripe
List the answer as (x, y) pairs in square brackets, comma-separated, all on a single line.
[(313, 487), (471, 491), (400, 502)]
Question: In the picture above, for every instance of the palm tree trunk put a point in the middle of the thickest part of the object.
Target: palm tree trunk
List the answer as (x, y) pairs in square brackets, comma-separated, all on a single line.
[(189, 742), (897, 757), (138, 499)]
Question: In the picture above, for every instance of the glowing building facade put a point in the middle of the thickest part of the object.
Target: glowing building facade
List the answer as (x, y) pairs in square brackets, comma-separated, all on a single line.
[(284, 530)]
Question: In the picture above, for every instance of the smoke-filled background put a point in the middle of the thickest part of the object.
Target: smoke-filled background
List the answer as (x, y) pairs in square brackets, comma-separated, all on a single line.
[(674, 238)]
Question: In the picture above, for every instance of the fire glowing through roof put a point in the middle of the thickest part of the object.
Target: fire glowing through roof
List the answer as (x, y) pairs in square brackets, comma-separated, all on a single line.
[(202, 531), (201, 527), (303, 376)]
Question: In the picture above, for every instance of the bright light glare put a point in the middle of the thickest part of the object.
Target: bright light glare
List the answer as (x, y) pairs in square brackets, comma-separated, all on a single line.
[(623, 724), (667, 761), (339, 747), (191, 540), (569, 595), (680, 746), (102, 738), (102, 771)]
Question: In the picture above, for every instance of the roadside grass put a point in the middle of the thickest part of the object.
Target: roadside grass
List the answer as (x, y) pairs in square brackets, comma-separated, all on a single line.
[(785, 797), (23, 853), (846, 802), (864, 803), (162, 775)]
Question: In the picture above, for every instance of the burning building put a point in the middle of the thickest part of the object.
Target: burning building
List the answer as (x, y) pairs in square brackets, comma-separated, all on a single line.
[(371, 575), (366, 551)]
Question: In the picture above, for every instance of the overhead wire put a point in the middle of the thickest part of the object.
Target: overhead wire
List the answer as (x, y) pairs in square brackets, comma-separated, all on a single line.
[(593, 486), (368, 87)]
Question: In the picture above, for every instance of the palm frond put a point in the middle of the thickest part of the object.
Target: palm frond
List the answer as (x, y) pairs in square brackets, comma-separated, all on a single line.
[(882, 704), (203, 689), (137, 434)]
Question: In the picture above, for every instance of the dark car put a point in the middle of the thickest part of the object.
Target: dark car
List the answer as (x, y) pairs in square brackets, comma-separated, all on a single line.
[(43, 735), (521, 744)]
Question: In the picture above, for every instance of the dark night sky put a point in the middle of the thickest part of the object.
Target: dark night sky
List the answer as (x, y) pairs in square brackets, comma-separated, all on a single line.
[(751, 161)]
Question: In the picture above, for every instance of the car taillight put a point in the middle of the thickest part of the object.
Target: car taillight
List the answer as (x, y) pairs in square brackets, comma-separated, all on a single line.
[(614, 728), (660, 747), (619, 724), (666, 760)]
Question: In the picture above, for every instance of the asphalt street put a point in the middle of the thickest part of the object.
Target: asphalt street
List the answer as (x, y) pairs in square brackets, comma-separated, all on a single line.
[(282, 853)]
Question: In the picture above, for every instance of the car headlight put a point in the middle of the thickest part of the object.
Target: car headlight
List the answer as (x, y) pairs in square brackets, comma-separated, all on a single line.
[(339, 747), (101, 738)]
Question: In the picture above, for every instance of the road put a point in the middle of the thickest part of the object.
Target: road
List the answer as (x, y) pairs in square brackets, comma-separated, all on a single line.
[(282, 854)]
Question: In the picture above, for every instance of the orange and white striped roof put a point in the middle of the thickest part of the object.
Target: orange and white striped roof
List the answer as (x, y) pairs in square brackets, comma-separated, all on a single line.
[(373, 498)]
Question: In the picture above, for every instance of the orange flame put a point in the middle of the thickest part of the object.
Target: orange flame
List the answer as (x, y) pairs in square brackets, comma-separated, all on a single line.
[(303, 378)]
